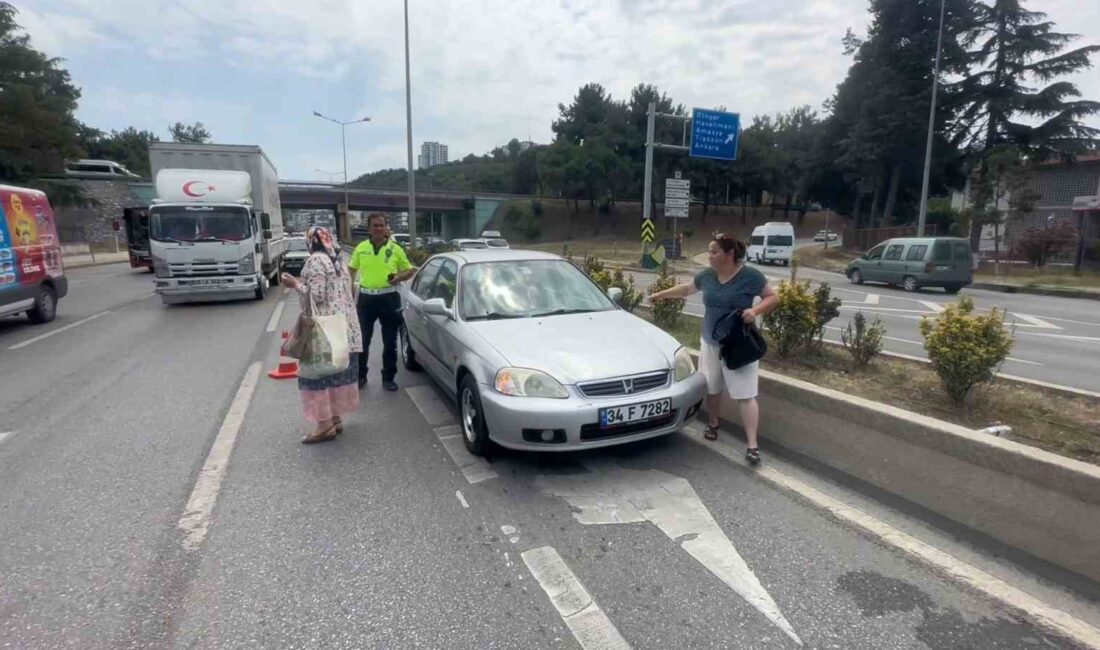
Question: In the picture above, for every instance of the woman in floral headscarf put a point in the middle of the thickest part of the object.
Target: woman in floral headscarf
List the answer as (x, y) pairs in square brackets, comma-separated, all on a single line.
[(325, 279)]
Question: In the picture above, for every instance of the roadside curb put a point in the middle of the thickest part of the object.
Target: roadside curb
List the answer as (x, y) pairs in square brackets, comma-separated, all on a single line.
[(1037, 291)]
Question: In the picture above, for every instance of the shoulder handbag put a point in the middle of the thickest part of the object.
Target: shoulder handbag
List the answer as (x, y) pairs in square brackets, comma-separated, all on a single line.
[(743, 343), (321, 343)]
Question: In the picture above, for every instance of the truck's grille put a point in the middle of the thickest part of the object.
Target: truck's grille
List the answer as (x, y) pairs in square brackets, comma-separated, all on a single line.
[(216, 268), (625, 385)]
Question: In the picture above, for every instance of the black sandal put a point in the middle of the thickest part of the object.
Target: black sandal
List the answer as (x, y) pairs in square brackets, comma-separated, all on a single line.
[(710, 433), (753, 456)]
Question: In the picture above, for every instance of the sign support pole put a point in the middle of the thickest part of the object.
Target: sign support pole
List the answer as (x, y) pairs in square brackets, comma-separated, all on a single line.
[(647, 194)]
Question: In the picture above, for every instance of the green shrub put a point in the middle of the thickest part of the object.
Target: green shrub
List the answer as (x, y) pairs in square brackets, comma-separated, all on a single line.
[(665, 312), (966, 349), (791, 324), (826, 308), (523, 221), (606, 279), (417, 256), (861, 341), (592, 266)]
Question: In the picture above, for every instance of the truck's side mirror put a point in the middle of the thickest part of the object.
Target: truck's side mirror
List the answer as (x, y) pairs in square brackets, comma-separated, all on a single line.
[(265, 223)]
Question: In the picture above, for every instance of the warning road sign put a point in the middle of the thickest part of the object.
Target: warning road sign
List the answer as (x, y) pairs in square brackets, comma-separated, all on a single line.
[(648, 231)]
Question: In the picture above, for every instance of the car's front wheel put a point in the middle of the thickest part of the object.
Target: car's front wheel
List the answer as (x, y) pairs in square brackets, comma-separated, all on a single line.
[(855, 277), (475, 434), (909, 283)]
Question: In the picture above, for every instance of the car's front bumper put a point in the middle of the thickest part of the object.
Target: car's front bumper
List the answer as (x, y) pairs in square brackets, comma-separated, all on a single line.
[(207, 289), (576, 419)]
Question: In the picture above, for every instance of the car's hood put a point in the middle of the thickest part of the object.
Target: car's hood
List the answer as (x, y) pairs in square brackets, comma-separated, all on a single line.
[(297, 255), (581, 347)]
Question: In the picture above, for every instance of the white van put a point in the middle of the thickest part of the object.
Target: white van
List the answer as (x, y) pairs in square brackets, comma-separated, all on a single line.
[(772, 243)]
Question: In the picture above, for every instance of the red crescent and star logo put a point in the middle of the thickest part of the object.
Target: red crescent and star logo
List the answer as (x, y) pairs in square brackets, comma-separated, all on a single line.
[(189, 190)]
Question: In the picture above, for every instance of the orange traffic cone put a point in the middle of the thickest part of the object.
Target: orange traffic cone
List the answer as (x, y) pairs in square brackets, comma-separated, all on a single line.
[(288, 367)]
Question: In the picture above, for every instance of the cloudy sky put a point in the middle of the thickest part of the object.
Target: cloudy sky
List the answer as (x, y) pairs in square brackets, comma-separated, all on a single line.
[(483, 71)]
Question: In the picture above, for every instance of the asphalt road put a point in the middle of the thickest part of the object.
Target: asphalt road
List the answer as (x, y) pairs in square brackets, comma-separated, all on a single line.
[(391, 536), (1057, 339)]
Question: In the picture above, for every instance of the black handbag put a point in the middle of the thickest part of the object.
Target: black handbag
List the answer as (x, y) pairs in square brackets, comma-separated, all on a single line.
[(743, 343)]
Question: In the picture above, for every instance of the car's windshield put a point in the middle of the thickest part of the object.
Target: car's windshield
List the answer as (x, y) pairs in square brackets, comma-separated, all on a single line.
[(199, 223), (497, 243), (528, 288), (780, 240)]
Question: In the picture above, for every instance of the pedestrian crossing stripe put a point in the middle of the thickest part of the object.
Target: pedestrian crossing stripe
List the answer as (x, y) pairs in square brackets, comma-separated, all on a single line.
[(648, 231)]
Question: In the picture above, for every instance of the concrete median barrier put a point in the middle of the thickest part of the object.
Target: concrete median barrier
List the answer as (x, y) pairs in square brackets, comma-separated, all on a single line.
[(1045, 505)]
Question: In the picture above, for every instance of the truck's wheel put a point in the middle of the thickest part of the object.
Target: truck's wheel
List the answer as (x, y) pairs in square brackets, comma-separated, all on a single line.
[(45, 306), (261, 291)]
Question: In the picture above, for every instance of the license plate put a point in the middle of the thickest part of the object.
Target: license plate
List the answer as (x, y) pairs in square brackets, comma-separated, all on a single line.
[(203, 282), (619, 415)]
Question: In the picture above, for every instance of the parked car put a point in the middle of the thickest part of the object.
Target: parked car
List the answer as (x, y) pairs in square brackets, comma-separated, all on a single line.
[(825, 235), (469, 244), (491, 234), (916, 262), (32, 276), (104, 169), (402, 239), (297, 253), (772, 243), (479, 321)]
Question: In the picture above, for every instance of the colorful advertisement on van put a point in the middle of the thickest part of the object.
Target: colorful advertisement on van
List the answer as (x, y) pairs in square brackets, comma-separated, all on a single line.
[(29, 247)]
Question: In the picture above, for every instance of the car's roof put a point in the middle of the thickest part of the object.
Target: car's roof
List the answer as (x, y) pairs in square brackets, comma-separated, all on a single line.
[(499, 255)]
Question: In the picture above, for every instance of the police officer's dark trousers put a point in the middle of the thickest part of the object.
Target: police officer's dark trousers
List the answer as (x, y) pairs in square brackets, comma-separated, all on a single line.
[(385, 309)]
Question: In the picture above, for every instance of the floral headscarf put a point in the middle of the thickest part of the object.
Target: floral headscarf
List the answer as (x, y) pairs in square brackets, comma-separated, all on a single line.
[(320, 241)]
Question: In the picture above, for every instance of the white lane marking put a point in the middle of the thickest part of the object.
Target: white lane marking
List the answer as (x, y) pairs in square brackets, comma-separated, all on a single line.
[(430, 406), (921, 343), (196, 516), (580, 612), (1075, 322), (475, 469), (871, 299), (461, 499), (58, 330), (5, 435), (610, 494), (1064, 337), (934, 307), (275, 316), (1035, 321), (1047, 384), (1047, 617)]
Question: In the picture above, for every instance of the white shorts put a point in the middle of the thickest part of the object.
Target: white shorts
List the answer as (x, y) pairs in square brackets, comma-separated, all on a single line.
[(740, 384)]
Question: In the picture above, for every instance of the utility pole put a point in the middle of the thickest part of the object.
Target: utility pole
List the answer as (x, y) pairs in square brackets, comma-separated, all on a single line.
[(923, 215), (409, 132), (344, 145)]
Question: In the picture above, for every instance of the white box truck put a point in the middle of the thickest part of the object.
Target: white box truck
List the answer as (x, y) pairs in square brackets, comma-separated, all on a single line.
[(216, 226)]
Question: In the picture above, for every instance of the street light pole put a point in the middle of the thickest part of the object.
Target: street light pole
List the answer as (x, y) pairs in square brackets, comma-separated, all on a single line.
[(344, 145), (923, 215), (409, 132)]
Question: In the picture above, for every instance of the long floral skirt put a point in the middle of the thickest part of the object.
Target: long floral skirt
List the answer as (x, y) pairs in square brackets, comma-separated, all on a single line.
[(332, 396)]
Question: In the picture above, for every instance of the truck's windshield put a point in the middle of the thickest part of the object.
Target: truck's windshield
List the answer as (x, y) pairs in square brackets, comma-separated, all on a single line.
[(187, 223)]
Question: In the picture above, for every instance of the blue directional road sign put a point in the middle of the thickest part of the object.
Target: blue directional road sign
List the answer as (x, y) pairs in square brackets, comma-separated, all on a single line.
[(714, 134)]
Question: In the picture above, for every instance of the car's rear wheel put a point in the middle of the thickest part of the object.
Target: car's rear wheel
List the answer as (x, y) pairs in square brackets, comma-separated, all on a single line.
[(909, 283), (475, 434), (45, 306), (952, 288), (855, 277), (408, 355)]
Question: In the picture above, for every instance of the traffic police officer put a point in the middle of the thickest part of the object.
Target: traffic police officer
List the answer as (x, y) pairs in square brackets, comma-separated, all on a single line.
[(382, 265)]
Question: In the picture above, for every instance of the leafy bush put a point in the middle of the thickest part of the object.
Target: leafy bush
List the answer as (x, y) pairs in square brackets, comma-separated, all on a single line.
[(863, 342), (1037, 245), (417, 256), (965, 348), (523, 221), (826, 308), (665, 312), (791, 324), (605, 279), (592, 266)]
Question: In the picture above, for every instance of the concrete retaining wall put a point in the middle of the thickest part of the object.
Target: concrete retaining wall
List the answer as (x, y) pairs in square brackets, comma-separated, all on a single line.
[(1038, 502)]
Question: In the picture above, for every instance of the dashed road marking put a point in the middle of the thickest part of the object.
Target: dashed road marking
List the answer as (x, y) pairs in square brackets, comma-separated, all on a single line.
[(475, 469), (921, 343), (934, 307), (871, 299), (5, 435), (592, 629), (196, 516), (58, 331), (273, 323), (461, 499), (1047, 617), (430, 406), (1035, 321)]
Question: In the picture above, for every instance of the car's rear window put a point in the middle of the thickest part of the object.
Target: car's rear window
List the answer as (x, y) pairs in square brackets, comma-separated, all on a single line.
[(780, 240)]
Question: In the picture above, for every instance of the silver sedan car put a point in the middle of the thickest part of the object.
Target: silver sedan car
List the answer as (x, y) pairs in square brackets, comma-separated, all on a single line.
[(538, 358)]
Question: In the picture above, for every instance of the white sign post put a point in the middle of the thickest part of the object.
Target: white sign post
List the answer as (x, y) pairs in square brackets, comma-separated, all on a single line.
[(677, 202)]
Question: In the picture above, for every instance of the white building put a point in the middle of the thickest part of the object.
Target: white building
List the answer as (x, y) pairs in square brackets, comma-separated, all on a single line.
[(431, 154)]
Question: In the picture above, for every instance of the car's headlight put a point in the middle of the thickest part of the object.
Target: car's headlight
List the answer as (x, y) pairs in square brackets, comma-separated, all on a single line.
[(522, 382), (685, 365), (247, 264), (160, 267)]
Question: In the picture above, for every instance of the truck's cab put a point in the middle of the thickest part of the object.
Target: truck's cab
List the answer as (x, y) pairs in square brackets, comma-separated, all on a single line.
[(208, 243)]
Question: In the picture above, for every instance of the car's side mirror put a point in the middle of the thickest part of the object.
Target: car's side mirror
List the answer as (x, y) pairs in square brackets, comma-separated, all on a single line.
[(616, 295), (436, 307)]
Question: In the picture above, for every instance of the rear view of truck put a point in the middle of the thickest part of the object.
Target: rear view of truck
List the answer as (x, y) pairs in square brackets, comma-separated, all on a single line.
[(216, 227)]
